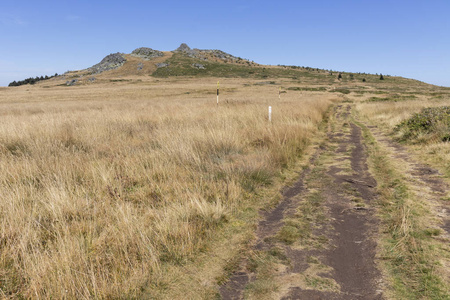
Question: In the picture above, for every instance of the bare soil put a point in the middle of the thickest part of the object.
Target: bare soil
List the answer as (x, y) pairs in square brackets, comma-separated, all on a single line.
[(341, 247), (338, 259), (351, 253)]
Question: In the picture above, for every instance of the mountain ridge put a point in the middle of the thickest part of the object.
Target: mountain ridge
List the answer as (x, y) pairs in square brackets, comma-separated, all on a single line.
[(186, 61)]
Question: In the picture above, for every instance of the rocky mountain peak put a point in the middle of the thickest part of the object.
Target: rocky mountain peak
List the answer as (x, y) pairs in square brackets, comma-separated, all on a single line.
[(183, 48)]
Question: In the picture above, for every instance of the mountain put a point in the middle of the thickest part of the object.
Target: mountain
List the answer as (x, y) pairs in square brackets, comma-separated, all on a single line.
[(185, 61)]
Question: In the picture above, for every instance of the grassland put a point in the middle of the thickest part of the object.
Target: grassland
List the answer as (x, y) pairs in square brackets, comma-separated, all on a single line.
[(114, 190), (138, 186)]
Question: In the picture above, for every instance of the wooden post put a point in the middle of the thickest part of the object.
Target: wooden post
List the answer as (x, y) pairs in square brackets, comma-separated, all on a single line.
[(270, 113), (217, 93)]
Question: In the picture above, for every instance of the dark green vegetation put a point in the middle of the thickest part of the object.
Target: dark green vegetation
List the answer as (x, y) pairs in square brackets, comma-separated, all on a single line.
[(343, 91), (392, 98), (431, 124), (31, 80), (308, 89), (182, 65)]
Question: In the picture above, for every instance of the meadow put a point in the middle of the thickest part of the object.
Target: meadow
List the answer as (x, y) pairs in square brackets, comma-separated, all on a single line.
[(143, 187), (427, 135), (116, 189)]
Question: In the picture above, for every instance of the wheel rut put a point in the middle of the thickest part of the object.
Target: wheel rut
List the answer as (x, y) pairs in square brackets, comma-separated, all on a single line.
[(426, 180), (329, 213)]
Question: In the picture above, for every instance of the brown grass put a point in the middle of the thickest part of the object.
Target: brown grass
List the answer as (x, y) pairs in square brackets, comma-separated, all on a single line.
[(103, 187), (413, 261), (389, 114)]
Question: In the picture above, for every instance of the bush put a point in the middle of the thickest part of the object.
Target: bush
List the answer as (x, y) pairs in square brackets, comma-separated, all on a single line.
[(431, 124)]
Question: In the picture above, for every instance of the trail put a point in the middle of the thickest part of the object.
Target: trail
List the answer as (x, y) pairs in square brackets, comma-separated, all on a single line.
[(320, 241), (425, 180), (330, 206)]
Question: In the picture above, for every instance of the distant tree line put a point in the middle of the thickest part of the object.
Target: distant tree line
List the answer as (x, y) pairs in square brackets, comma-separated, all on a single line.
[(31, 80), (330, 72)]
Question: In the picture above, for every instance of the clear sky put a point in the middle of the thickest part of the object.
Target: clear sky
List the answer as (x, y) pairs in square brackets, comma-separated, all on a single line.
[(395, 37)]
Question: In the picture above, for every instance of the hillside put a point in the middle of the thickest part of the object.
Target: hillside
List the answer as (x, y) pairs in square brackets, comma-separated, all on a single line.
[(143, 63)]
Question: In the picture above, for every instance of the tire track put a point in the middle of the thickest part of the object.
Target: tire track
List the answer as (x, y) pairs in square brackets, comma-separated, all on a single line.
[(337, 260)]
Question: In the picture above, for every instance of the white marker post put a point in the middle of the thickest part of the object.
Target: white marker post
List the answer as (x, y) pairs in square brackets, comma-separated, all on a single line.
[(270, 113), (217, 93), (279, 93)]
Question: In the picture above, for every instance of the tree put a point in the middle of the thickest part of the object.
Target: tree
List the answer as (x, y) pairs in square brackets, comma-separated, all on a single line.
[(364, 80), (340, 76), (381, 77)]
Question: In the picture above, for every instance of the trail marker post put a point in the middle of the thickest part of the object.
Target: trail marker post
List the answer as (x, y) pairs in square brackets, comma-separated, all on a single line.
[(270, 113), (217, 93)]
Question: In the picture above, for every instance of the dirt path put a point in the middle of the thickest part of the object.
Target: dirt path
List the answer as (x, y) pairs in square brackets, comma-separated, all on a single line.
[(319, 242), (426, 181), (428, 186)]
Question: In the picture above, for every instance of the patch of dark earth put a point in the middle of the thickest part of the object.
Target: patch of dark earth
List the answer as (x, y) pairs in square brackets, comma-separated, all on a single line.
[(350, 234), (352, 251), (270, 223)]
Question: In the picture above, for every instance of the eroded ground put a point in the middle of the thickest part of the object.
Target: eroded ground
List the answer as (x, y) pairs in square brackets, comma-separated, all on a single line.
[(320, 242)]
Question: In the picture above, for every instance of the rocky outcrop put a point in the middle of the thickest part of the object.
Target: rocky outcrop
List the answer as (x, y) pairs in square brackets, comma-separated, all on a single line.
[(204, 54), (198, 66), (162, 65), (185, 49), (72, 82), (146, 53), (110, 62), (222, 55)]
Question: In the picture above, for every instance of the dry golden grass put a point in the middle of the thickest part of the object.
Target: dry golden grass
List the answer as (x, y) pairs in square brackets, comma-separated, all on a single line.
[(414, 261), (105, 186), (389, 114)]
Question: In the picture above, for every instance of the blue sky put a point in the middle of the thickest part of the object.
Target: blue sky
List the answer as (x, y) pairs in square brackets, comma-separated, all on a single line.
[(395, 37)]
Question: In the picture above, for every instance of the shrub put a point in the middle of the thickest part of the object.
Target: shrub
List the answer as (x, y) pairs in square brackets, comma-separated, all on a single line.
[(430, 124)]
